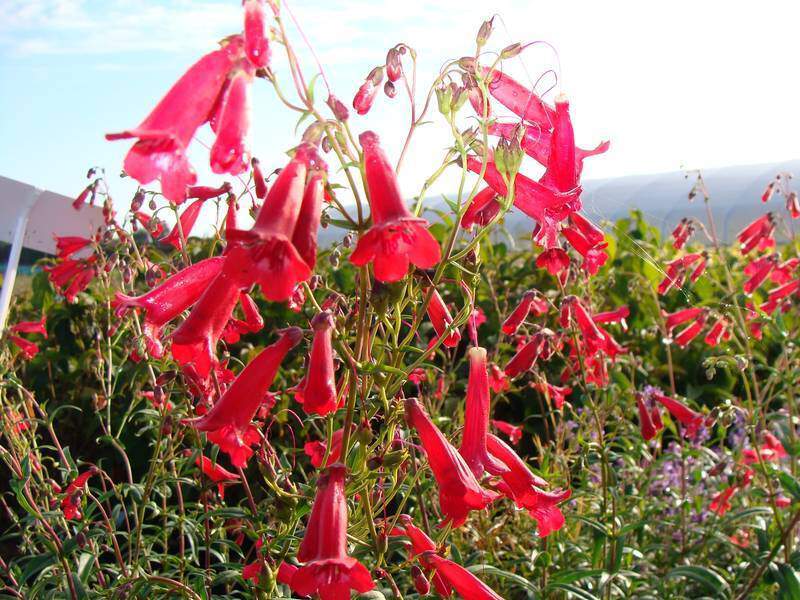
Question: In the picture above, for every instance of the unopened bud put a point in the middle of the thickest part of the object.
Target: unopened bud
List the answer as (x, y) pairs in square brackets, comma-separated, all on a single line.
[(421, 583), (394, 68), (389, 89), (484, 33), (511, 51), (338, 108)]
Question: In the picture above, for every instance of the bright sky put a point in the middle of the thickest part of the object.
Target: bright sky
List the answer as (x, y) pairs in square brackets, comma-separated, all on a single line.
[(679, 84)]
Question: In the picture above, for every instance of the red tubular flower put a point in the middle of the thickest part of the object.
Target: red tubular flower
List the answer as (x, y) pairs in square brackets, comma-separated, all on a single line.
[(70, 505), (195, 340), (526, 356), (682, 316), (778, 295), (687, 417), (256, 45), (216, 473), (72, 276), (594, 256), (684, 337), (317, 450), (646, 424), (328, 570), (720, 503), (556, 394), (537, 201), (591, 335), (421, 546), (265, 254), (230, 154), (759, 270), (317, 392), (719, 332), (514, 432), (483, 208), (523, 487), (555, 260), (758, 234), (536, 143), (561, 173), (304, 237), (784, 271), (28, 348), (171, 298), (396, 237), (253, 321), (68, 245), (459, 491), (497, 379), (518, 99), (618, 315), (39, 326), (771, 450), (461, 580), (205, 192), (520, 313), (165, 134), (229, 422), (793, 205), (187, 220), (151, 224), (768, 192), (476, 418), (441, 319), (682, 232), (90, 189)]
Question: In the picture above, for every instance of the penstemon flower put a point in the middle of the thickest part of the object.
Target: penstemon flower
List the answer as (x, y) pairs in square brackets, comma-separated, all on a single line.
[(317, 392)]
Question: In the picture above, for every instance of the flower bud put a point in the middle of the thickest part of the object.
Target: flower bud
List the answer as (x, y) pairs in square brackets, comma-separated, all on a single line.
[(338, 108), (389, 89), (511, 51), (444, 97), (138, 200), (421, 583), (484, 33), (394, 68)]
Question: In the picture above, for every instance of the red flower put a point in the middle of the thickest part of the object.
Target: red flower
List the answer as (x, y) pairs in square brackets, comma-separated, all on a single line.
[(28, 348), (719, 332), (682, 232), (228, 423), (647, 425), (421, 546), (317, 392), (691, 331), (187, 220), (676, 271), (784, 271), (328, 570), (759, 270), (523, 487), (69, 245), (215, 473), (71, 503), (150, 223), (777, 296), (691, 420), (459, 491), (39, 326), (72, 276), (555, 260), (304, 237), (672, 320), (256, 45), (527, 356), (265, 254), (170, 299), (514, 432), (793, 205), (518, 99), (365, 96), (230, 154), (253, 321), (562, 172), (483, 208), (497, 379), (317, 450), (520, 313), (396, 237), (461, 580), (556, 394), (165, 134), (476, 418), (758, 234), (771, 450), (594, 256), (720, 503), (259, 182), (204, 192), (441, 320)]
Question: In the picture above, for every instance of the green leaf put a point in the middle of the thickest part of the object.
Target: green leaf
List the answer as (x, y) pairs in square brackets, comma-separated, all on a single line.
[(480, 570), (706, 577), (574, 590), (790, 484), (789, 584)]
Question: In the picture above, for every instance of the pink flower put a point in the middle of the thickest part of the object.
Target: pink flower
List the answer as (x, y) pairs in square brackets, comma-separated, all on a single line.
[(256, 44), (229, 422), (230, 154), (396, 237)]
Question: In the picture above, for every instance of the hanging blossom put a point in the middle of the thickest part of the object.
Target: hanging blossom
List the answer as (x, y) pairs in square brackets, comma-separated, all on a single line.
[(514, 432), (459, 490), (396, 237), (758, 235), (771, 450), (229, 422), (525, 489), (252, 323), (202, 94), (554, 393), (758, 271), (71, 504), (71, 276), (650, 422), (682, 232), (441, 319), (420, 548), (719, 332), (317, 392), (327, 569), (676, 271), (165, 302), (461, 580), (39, 326), (216, 473), (691, 420), (317, 451), (532, 301), (266, 254)]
